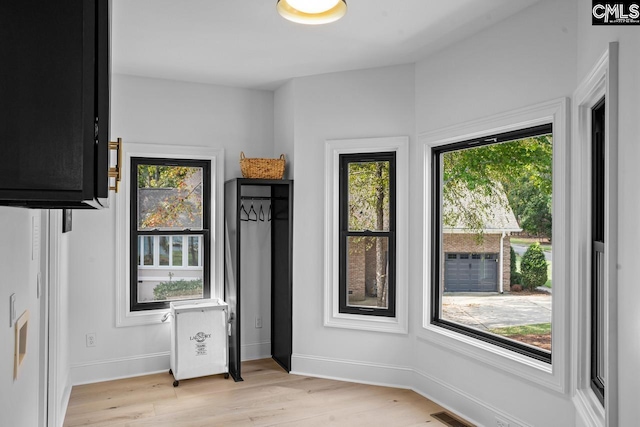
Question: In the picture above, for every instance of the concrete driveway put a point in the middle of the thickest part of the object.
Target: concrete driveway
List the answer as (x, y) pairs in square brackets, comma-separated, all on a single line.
[(489, 311)]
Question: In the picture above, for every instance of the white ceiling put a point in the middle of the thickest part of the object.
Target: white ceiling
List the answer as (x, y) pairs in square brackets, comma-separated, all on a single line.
[(245, 43)]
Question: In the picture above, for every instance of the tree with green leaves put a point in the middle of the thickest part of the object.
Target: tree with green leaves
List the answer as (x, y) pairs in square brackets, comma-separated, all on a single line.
[(487, 172), (180, 203), (531, 207)]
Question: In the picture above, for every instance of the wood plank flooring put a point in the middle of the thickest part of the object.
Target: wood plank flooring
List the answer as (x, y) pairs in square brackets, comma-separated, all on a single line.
[(268, 396)]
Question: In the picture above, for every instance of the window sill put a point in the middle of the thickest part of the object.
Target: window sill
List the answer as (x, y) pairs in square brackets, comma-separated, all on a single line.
[(366, 323), (140, 318)]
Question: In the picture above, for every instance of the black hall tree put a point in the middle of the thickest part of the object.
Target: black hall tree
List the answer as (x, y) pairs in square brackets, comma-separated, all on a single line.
[(280, 195)]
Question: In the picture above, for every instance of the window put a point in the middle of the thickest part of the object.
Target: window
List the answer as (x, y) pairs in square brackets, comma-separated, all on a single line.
[(483, 191), (597, 317), (367, 234), (169, 231)]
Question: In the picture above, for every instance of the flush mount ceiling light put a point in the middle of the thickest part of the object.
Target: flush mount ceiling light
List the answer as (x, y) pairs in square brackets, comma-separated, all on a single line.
[(312, 12)]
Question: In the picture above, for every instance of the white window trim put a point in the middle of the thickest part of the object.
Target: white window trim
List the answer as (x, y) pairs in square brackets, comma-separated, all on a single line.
[(554, 375), (332, 315), (124, 315), (601, 81)]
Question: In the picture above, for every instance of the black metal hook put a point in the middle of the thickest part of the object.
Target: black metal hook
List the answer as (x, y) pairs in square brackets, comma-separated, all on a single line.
[(261, 214)]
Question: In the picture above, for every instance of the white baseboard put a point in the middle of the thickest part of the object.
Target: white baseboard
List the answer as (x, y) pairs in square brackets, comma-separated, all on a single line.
[(261, 350), (460, 402), (449, 397), (124, 367), (145, 364), (351, 370), (64, 403)]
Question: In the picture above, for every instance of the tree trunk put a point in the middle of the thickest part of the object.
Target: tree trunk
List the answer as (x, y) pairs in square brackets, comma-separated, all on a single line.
[(381, 277)]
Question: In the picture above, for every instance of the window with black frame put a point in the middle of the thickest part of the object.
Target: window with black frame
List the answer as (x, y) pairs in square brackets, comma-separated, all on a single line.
[(170, 231), (598, 300), (367, 206), (492, 239)]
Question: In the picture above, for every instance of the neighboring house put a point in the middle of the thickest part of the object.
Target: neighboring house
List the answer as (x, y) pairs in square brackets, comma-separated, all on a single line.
[(473, 258)]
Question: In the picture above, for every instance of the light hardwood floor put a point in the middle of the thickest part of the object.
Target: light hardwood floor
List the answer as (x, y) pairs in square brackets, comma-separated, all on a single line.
[(268, 396)]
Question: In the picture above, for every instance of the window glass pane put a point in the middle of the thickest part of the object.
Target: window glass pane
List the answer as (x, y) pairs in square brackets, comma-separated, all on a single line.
[(147, 242), (599, 318), (194, 251), (169, 197), (368, 195), (163, 250), (367, 271), (496, 214), (176, 251)]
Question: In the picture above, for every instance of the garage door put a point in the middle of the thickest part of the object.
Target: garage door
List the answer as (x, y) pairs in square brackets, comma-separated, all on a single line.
[(469, 272)]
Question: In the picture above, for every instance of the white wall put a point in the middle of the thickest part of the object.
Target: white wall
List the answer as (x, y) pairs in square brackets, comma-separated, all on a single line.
[(526, 59), (160, 112), (358, 104), (255, 266), (592, 42), (19, 402), (284, 125)]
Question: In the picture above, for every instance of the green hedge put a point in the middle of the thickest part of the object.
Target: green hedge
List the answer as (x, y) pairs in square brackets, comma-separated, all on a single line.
[(177, 288), (516, 277), (534, 267)]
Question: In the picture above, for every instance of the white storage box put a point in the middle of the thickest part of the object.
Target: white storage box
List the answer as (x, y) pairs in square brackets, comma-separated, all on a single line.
[(199, 339)]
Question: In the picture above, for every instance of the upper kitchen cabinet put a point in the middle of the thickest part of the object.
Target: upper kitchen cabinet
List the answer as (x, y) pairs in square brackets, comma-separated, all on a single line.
[(54, 103)]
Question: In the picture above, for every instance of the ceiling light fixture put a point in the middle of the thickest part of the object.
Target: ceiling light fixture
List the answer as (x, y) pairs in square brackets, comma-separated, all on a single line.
[(312, 12)]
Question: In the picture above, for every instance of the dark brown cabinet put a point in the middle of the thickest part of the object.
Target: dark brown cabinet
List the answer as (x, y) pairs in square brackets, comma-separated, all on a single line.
[(54, 103)]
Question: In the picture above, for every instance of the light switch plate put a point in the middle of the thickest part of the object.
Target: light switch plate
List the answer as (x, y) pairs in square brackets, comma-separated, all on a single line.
[(12, 310)]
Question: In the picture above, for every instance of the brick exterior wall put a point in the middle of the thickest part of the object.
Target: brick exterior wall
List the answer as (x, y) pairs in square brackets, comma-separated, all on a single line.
[(356, 272), (490, 243), (361, 269)]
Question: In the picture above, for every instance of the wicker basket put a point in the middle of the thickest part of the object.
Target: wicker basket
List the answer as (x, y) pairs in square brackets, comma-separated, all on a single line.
[(262, 168)]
